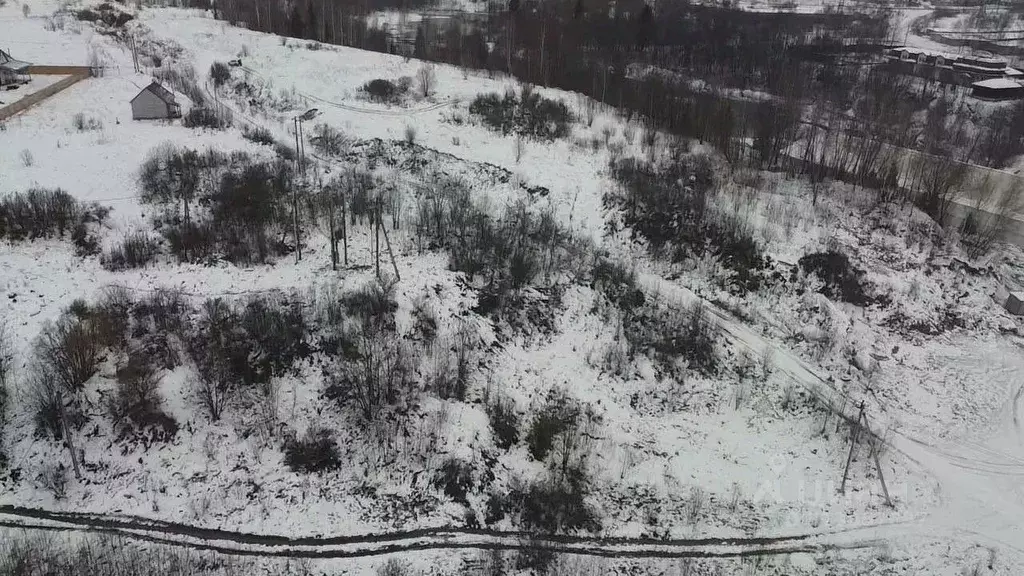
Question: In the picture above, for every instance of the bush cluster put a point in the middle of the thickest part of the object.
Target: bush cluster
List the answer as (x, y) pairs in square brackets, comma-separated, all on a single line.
[(242, 346), (528, 114), (328, 140), (136, 406), (23, 555), (259, 135), (502, 255), (217, 205), (504, 420), (136, 251), (315, 452), (106, 13), (206, 117), (671, 210), (558, 415), (386, 91), (455, 479), (666, 333), (48, 213), (84, 123), (842, 280)]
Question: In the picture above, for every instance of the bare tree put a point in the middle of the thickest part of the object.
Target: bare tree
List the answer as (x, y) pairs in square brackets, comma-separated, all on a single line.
[(70, 348), (426, 79), (940, 180), (381, 372), (211, 351), (66, 356)]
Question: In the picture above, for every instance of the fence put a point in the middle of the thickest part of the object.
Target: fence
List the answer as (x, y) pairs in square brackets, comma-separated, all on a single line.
[(75, 74)]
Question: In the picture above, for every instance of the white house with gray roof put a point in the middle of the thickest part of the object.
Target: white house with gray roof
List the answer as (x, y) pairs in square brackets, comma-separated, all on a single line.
[(155, 102)]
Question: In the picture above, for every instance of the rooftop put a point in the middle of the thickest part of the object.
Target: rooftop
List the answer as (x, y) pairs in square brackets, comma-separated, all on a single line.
[(998, 84), (161, 92)]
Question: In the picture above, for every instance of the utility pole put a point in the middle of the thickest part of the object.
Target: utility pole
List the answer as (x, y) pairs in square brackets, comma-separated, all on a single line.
[(388, 242), (853, 446), (376, 238), (295, 198), (878, 466), (69, 440), (330, 220), (344, 226)]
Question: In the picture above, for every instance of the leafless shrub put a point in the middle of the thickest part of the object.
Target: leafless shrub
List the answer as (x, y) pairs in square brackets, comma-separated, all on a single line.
[(329, 141), (136, 403), (393, 567), (424, 318), (380, 375), (788, 393), (214, 386), (26, 157), (54, 478), (84, 123), (69, 349), (315, 452), (734, 498), (410, 133), (453, 364), (96, 62), (695, 505), (504, 420), (136, 251), (25, 555)]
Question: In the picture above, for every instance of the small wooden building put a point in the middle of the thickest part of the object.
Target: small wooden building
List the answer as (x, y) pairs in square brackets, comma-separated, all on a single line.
[(155, 102), (998, 89)]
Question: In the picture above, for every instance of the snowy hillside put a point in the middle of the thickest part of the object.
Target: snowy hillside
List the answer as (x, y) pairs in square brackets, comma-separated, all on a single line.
[(509, 351)]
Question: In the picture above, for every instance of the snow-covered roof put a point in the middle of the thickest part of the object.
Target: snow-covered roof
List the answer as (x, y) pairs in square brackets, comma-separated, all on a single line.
[(997, 84), (8, 63), (913, 50), (1013, 72), (161, 92)]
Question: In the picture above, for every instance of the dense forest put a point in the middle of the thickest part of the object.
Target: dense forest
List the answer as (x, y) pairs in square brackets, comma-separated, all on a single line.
[(750, 84)]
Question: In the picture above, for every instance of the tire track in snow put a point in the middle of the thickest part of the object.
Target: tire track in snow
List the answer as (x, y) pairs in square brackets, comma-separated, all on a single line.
[(443, 538)]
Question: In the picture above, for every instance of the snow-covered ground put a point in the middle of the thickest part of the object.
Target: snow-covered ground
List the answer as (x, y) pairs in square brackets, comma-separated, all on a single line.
[(669, 458)]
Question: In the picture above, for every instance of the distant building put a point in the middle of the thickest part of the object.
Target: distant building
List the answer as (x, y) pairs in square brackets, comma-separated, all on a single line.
[(12, 71), (155, 102), (998, 89), (1015, 303), (946, 67)]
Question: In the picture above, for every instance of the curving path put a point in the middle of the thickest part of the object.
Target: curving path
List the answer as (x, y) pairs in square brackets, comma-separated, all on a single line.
[(240, 543)]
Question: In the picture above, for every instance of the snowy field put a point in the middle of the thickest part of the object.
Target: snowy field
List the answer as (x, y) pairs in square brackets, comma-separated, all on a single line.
[(692, 459)]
